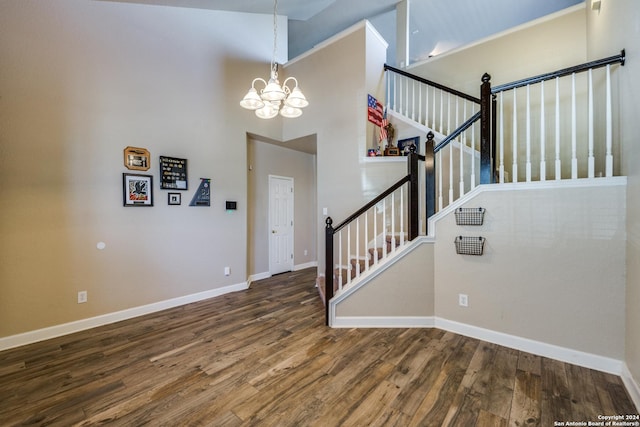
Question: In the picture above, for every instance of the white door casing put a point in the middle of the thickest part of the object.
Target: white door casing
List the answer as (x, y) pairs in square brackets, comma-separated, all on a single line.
[(280, 224)]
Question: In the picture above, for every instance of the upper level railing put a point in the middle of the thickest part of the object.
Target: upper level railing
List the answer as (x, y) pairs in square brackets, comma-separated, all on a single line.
[(479, 144)]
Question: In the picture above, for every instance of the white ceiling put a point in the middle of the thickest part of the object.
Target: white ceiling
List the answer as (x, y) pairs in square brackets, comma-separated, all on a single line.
[(435, 25)]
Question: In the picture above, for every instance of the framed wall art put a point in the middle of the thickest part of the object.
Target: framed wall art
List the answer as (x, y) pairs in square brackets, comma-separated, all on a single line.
[(409, 144), (173, 173), (137, 158), (174, 199), (137, 190)]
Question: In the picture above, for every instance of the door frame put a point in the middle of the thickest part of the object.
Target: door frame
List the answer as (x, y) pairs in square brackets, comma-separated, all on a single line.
[(292, 234)]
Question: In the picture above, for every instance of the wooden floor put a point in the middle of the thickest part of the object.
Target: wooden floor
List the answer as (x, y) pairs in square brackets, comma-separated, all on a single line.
[(263, 357)]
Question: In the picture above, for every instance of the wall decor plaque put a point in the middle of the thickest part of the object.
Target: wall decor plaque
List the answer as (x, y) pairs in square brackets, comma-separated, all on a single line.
[(136, 158), (173, 173)]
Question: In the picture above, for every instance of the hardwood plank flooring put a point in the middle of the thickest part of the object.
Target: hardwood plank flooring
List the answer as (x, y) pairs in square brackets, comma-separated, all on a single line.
[(263, 357)]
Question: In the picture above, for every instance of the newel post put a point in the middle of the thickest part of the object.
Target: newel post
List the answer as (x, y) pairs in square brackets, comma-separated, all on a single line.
[(414, 195), (328, 266), (486, 152), (430, 177)]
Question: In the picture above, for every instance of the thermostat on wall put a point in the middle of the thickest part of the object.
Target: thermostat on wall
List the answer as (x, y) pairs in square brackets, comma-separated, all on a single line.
[(231, 206)]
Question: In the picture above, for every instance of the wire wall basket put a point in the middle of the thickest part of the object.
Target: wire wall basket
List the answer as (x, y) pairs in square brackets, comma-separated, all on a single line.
[(469, 216), (469, 245)]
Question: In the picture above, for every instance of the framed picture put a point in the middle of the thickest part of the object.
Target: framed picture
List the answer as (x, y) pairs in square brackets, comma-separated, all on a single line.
[(137, 158), (409, 144), (173, 173), (137, 190), (174, 198)]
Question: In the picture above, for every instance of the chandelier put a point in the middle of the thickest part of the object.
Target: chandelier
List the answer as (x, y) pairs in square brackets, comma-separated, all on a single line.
[(274, 97)]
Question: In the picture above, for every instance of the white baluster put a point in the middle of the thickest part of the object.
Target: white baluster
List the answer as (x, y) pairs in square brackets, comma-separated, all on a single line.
[(514, 167), (501, 137), (420, 102), (388, 81), (591, 168), (366, 240), (450, 173), (348, 260), (340, 260), (406, 102), (574, 136), (543, 162), (358, 247), (375, 235), (448, 114), (439, 166), (473, 149), (384, 228), (433, 109), (441, 109), (558, 161), (609, 128), (426, 105), (395, 91), (393, 221), (528, 138), (413, 100), (401, 216)]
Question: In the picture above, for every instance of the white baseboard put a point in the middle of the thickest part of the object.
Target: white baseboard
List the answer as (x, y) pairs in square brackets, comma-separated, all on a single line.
[(305, 265), (259, 276), (633, 388), (105, 319), (383, 322), (575, 357)]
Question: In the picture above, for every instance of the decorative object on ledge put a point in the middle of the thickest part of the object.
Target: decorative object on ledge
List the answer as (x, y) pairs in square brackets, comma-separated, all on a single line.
[(173, 173), (202, 196), (137, 158), (174, 199), (409, 145), (274, 98), (469, 216), (137, 190), (469, 245), (392, 151)]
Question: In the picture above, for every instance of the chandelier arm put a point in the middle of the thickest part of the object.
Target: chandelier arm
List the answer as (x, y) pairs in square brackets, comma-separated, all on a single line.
[(258, 79), (284, 84)]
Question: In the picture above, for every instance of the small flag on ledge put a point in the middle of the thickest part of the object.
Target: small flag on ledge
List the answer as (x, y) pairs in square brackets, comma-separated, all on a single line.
[(374, 110)]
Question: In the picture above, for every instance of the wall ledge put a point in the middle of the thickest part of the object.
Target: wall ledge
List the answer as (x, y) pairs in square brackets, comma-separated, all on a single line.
[(105, 319)]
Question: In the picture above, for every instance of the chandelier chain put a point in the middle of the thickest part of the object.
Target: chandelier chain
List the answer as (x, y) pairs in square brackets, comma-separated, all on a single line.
[(274, 65)]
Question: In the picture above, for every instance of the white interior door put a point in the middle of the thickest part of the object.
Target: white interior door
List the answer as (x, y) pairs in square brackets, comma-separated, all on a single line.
[(280, 224)]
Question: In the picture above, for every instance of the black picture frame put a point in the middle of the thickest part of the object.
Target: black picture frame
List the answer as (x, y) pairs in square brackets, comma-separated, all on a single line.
[(173, 173), (174, 199), (404, 145), (137, 190)]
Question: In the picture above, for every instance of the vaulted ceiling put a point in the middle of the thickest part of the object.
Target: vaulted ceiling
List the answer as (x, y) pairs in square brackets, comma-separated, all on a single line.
[(435, 25)]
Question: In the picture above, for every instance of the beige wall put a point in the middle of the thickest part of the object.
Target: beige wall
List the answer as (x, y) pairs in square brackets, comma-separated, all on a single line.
[(266, 159), (614, 27), (552, 268), (337, 78), (405, 289), (80, 81)]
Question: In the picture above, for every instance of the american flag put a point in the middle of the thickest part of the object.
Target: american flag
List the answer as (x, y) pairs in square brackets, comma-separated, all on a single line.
[(374, 111), (383, 127)]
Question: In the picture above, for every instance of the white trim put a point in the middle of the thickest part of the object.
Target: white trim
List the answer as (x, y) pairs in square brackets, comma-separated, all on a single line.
[(258, 276), (633, 388), (383, 322), (105, 319), (305, 265), (563, 354)]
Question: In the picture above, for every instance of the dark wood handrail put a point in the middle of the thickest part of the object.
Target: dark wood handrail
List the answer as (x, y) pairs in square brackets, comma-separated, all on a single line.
[(466, 125), (434, 84), (561, 73), (372, 203)]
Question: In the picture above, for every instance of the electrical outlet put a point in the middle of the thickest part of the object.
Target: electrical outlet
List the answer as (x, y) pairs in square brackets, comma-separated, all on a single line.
[(82, 297), (305, 252), (227, 271), (463, 300)]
